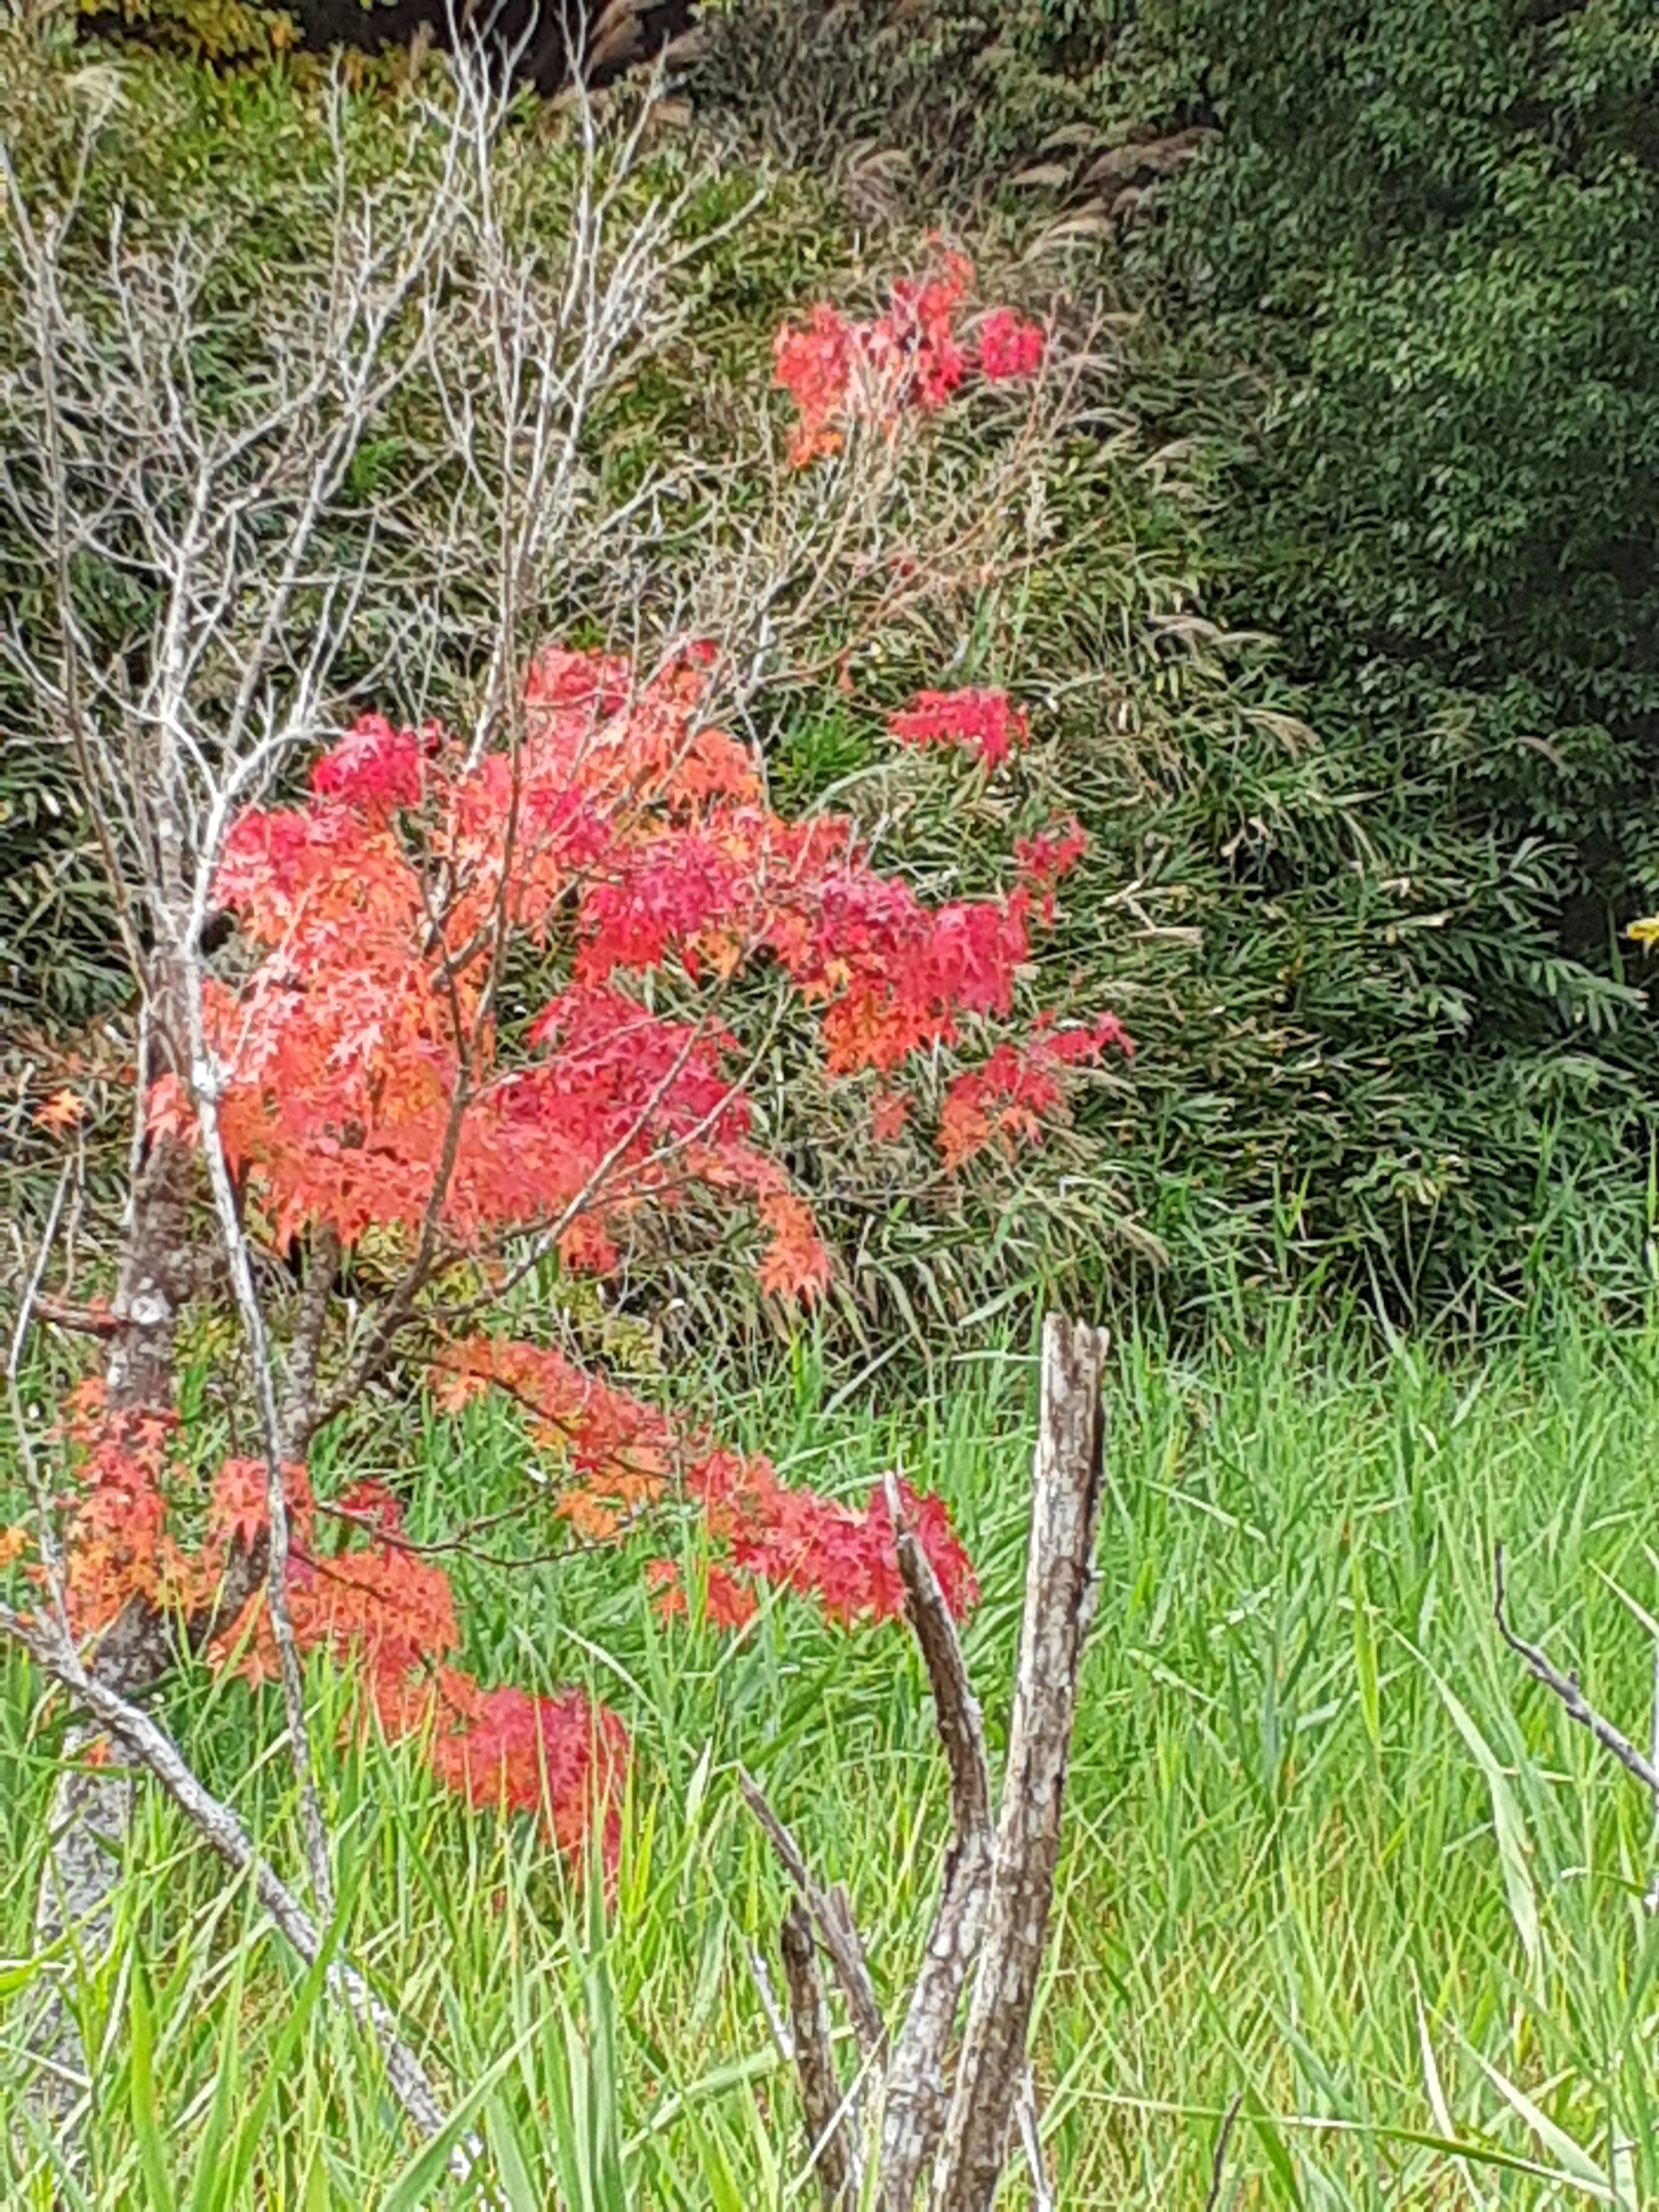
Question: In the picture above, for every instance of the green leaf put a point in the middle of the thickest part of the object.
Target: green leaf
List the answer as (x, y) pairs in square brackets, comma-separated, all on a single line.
[(410, 2190), (152, 2156), (1571, 2156), (1364, 1651), (512, 2168), (208, 2192), (1273, 2144), (1513, 1847)]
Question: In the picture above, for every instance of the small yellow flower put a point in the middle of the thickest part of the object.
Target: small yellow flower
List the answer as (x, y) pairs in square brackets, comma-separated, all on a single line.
[(1645, 932)]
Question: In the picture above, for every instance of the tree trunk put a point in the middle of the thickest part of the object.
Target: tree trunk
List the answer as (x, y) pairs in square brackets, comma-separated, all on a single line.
[(994, 1900), (1059, 1594), (157, 1275), (92, 1804)]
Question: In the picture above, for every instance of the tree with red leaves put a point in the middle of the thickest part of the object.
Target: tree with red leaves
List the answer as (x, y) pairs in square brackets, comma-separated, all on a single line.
[(366, 1088), (476, 1004)]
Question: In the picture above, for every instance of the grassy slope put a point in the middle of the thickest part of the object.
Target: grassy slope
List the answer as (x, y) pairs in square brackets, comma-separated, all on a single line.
[(1274, 1885)]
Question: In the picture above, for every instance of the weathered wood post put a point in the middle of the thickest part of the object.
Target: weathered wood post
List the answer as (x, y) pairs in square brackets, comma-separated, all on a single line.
[(1060, 1595), (992, 1918)]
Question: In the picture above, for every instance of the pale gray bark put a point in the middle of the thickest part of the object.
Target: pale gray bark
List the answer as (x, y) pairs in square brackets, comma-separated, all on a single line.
[(916, 2090), (998, 1887), (155, 1280), (92, 1804), (827, 2128), (1059, 1601), (145, 1740)]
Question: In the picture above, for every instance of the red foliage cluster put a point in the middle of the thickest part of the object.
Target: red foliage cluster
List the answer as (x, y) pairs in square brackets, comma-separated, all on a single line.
[(911, 358), (368, 1081), (1008, 347), (360, 1051), (381, 1605), (1046, 859), (1003, 1102), (125, 1477), (985, 722), (625, 1455), (374, 1601), (117, 1541), (631, 830), (800, 1539), (622, 1454)]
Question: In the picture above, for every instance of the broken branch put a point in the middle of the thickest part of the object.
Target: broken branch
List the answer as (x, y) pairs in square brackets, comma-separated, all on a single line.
[(1066, 1479), (833, 2151), (835, 1923)]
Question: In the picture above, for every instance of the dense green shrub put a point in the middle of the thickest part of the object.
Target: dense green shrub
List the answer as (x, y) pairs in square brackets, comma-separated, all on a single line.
[(1407, 303), (1435, 233), (1358, 897)]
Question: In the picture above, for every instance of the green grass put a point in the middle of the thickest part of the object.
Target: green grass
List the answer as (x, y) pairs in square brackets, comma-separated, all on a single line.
[(1321, 1827)]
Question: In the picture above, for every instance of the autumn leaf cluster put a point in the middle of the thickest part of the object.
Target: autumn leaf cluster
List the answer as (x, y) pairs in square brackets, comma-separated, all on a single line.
[(618, 847)]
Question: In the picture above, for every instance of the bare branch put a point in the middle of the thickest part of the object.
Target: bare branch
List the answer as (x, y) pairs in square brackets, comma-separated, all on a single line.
[(1066, 1481), (205, 1082), (79, 1321), (1030, 2137), (90, 1806), (218, 1824), (51, 1645), (50, 1555), (834, 1925), (832, 2154), (1565, 1688), (998, 1887), (775, 2023)]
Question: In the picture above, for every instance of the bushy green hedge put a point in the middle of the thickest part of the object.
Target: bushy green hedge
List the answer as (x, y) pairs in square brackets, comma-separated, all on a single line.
[(1406, 304), (1435, 233)]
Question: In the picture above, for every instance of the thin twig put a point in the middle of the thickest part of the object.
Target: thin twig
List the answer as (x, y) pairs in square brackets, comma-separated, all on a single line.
[(775, 2022), (205, 1081), (79, 1321), (51, 1558), (215, 1821), (834, 1925), (1565, 1688), (1219, 2160), (1030, 2137)]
